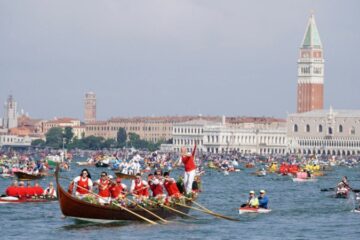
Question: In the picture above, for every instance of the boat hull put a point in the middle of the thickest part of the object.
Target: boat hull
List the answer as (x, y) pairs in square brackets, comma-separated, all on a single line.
[(6, 200), (243, 210), (22, 176), (73, 207), (304, 179)]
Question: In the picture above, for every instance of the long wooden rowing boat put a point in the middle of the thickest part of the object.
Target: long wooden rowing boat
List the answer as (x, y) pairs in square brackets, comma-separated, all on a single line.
[(75, 208), (8, 199)]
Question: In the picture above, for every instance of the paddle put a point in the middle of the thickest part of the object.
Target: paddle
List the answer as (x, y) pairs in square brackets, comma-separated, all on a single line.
[(209, 212), (333, 189)]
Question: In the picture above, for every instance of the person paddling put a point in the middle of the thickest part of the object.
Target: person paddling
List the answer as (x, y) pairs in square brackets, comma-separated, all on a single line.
[(103, 185), (83, 184), (263, 199), (12, 191), (252, 202)]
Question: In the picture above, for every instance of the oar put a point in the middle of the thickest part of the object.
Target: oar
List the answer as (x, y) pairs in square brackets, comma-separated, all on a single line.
[(123, 208), (327, 189), (148, 211), (209, 212), (167, 207)]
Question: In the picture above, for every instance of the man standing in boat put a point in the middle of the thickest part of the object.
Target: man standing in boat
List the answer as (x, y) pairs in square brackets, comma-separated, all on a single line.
[(190, 168)]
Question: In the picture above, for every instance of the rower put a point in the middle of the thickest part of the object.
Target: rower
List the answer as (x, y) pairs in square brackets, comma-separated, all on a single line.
[(263, 200), (170, 186), (30, 191), (103, 185), (253, 201), (139, 187), (156, 185), (21, 190), (117, 190), (12, 191), (50, 191), (83, 183), (38, 190), (344, 181)]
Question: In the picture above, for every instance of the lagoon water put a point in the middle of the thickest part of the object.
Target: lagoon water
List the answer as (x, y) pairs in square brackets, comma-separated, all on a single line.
[(300, 211)]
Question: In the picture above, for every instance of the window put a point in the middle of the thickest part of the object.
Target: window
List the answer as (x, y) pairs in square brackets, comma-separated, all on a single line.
[(340, 128), (320, 128), (330, 130), (307, 128), (352, 130), (296, 128)]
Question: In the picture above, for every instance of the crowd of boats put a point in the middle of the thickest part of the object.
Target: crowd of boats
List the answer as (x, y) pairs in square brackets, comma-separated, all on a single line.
[(153, 195)]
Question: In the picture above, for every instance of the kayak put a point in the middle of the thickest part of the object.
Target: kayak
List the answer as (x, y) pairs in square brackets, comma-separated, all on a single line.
[(9, 199), (304, 179), (243, 210)]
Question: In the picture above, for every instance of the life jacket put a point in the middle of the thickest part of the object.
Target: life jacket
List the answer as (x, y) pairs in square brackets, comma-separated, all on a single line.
[(82, 186), (104, 188), (171, 187)]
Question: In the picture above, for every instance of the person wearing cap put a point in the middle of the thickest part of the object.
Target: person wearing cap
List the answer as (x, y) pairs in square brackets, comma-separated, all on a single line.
[(253, 200), (117, 190), (263, 199)]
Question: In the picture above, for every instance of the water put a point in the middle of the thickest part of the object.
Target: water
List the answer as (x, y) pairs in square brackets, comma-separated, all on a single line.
[(300, 211)]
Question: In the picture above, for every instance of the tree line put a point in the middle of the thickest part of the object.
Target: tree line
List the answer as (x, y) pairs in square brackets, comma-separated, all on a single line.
[(58, 138)]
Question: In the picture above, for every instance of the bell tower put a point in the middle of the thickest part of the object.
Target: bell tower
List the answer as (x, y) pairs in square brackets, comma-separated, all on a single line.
[(310, 87)]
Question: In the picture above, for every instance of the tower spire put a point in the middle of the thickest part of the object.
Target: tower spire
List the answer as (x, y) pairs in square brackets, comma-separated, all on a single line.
[(311, 38)]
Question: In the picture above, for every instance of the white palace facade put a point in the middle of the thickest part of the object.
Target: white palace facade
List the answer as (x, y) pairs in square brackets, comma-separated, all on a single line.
[(331, 132), (222, 137)]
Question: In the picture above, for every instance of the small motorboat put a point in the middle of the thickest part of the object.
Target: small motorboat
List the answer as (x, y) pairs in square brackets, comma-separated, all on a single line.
[(243, 210)]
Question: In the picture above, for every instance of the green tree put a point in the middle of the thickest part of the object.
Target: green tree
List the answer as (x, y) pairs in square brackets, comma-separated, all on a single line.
[(109, 143), (54, 137), (39, 143), (93, 143), (121, 137), (68, 135)]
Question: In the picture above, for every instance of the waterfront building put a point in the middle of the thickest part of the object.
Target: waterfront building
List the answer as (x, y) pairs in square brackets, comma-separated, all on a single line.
[(8, 140), (244, 135), (61, 123), (152, 129), (310, 86), (11, 114), (331, 132), (90, 107)]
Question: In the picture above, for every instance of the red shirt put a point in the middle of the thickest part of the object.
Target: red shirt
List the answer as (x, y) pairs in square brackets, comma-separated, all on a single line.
[(171, 187), (30, 191), (22, 192), (38, 190), (189, 161), (83, 186), (141, 189), (12, 191), (104, 188), (116, 190)]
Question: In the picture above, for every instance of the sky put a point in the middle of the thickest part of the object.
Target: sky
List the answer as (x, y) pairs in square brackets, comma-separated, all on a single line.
[(172, 57)]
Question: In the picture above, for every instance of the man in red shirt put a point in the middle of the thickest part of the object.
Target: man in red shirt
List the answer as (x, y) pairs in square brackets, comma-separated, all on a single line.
[(30, 190), (103, 185), (170, 186), (12, 191), (38, 190), (117, 190), (190, 168), (21, 190)]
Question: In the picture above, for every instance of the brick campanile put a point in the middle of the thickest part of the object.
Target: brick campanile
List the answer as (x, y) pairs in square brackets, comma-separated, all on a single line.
[(90, 107), (310, 88)]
